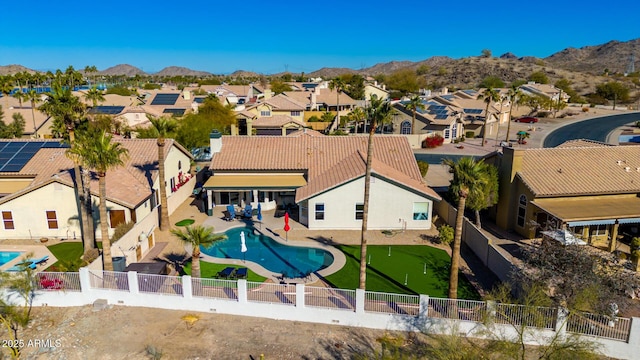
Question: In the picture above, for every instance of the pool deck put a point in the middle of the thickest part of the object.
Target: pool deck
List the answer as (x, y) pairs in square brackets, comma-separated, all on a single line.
[(299, 235), (28, 251)]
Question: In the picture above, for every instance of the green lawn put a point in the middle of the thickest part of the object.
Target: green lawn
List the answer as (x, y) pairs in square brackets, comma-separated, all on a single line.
[(210, 270), (67, 251), (388, 273)]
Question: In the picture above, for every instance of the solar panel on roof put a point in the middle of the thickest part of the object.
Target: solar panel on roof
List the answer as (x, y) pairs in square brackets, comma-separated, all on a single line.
[(442, 116), (14, 155), (165, 99), (199, 100), (108, 110), (178, 112)]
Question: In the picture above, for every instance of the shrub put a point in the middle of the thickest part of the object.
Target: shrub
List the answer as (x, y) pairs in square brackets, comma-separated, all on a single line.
[(120, 90), (469, 135), (432, 141), (314, 119), (150, 86), (424, 167), (121, 230), (445, 234)]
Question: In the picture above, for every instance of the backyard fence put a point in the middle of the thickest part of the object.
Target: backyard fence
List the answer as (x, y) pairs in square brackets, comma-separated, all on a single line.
[(619, 336)]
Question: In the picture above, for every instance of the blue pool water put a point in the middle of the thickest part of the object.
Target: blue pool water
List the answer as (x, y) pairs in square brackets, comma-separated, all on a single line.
[(6, 256), (293, 261), (629, 138)]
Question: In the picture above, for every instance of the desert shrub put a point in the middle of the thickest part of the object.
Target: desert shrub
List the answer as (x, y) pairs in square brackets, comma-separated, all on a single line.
[(585, 109), (445, 234), (469, 134), (314, 119), (121, 230), (432, 141), (120, 90), (91, 255), (424, 167), (150, 86)]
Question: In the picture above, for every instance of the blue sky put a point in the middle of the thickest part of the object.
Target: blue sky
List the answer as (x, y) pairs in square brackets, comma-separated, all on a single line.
[(274, 36)]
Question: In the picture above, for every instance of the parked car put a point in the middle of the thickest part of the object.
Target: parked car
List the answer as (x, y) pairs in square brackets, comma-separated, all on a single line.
[(527, 119)]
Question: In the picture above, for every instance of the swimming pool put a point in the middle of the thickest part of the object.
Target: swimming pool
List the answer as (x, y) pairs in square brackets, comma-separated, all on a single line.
[(293, 261), (6, 256)]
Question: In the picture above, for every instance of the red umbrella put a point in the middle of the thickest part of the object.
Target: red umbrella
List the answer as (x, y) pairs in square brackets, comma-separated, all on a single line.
[(286, 224)]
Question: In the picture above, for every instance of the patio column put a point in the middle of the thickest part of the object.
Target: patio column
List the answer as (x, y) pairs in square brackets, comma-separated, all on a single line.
[(613, 242), (255, 198), (209, 202)]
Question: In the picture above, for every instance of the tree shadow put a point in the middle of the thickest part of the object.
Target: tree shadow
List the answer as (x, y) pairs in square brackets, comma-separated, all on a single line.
[(177, 260), (147, 169)]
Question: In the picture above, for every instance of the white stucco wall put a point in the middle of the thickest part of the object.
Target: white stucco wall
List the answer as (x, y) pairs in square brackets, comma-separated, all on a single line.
[(390, 207), (171, 170)]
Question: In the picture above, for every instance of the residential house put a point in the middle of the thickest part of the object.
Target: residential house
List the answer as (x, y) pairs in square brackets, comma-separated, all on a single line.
[(379, 90), (35, 120), (320, 179), (278, 115), (545, 90), (37, 192), (434, 119), (587, 187)]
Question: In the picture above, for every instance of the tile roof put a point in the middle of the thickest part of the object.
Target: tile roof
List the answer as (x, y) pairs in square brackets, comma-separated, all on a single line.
[(282, 102), (275, 121), (581, 170), (328, 160), (329, 97), (127, 185)]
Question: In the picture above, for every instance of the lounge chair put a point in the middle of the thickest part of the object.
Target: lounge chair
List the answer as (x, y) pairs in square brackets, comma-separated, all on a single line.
[(248, 212), (227, 272), (231, 213), (23, 265), (241, 273), (43, 260)]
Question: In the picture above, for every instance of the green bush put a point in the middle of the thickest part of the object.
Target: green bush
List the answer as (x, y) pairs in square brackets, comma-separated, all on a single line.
[(424, 167), (314, 119), (469, 135), (445, 234), (635, 244), (121, 230), (120, 90), (150, 86)]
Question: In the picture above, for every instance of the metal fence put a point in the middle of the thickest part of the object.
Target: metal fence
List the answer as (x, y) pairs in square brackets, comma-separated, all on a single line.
[(330, 298), (392, 303), (465, 310), (109, 280), (215, 288), (271, 293), (532, 316), (53, 281), (599, 325), (170, 285)]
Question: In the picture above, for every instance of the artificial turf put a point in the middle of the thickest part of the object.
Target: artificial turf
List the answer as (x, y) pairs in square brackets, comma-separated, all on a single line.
[(210, 270), (407, 262), (185, 222)]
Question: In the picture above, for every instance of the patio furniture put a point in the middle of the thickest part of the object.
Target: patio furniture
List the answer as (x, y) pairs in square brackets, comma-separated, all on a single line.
[(248, 212), (43, 260), (241, 273), (227, 272), (230, 214)]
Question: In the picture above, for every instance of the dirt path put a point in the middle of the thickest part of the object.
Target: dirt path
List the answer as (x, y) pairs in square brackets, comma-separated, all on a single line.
[(123, 332)]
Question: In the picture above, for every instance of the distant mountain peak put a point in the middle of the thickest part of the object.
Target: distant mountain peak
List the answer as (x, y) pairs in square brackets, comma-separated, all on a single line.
[(122, 69)]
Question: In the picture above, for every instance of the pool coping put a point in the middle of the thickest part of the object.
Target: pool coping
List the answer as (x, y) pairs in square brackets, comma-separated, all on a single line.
[(37, 251), (339, 259)]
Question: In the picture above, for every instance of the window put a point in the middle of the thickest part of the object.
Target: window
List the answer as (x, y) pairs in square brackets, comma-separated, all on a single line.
[(454, 131), (405, 127), (320, 211), (522, 210), (179, 165), (173, 184), (116, 217), (52, 220), (265, 113), (447, 133), (599, 230), (421, 211), (359, 211), (7, 219), (295, 113)]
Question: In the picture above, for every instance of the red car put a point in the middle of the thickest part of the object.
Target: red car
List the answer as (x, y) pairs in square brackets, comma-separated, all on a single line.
[(527, 119)]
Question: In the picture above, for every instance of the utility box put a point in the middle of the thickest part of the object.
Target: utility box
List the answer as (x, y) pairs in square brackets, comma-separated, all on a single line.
[(119, 263)]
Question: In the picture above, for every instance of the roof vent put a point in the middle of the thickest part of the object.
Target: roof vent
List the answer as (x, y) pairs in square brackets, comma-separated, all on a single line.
[(627, 169), (619, 162), (638, 169)]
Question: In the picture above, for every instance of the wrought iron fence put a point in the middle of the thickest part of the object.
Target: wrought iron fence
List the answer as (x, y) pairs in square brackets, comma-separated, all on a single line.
[(330, 298), (170, 285), (271, 293), (215, 288), (599, 325), (54, 281), (466, 310), (392, 303), (532, 316), (108, 280)]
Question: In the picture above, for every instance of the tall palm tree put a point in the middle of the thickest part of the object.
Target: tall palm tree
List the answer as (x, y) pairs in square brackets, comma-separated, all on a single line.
[(414, 104), (514, 95), (378, 113), (95, 96), (164, 126), (20, 96), (358, 115), (489, 95), (6, 86), (197, 236), (33, 97), (98, 152), (469, 176), (338, 85)]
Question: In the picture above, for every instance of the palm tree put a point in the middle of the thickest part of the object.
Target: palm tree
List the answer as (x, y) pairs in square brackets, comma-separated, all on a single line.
[(337, 84), (469, 176), (489, 95), (358, 115), (20, 96), (94, 95), (414, 104), (98, 152), (33, 97), (197, 236), (164, 126), (514, 95), (378, 112), (6, 86)]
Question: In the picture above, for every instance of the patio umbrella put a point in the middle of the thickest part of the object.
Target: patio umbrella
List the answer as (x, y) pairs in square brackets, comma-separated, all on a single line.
[(243, 245), (260, 215), (521, 132), (286, 225)]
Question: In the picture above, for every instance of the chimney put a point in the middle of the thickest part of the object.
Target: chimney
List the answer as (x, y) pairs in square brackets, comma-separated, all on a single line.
[(268, 94), (215, 141), (186, 94)]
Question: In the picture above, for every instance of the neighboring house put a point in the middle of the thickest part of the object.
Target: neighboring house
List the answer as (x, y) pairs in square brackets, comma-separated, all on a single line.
[(320, 179), (168, 102), (379, 90), (544, 90), (41, 123), (278, 115), (37, 195), (587, 187), (472, 114), (435, 118)]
